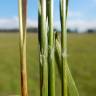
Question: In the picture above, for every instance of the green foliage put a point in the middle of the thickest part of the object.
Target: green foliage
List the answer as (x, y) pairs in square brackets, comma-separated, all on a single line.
[(72, 90)]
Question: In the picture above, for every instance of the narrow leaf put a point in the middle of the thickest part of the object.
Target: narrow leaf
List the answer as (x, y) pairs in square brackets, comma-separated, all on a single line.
[(72, 89)]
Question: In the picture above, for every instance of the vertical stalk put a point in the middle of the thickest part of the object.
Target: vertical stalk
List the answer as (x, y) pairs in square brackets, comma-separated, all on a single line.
[(22, 24), (51, 65), (63, 13), (72, 89), (43, 48), (39, 39)]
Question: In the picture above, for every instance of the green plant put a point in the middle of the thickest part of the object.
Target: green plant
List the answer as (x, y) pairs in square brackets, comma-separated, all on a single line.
[(43, 48), (68, 84), (63, 18), (72, 89), (51, 64), (47, 66)]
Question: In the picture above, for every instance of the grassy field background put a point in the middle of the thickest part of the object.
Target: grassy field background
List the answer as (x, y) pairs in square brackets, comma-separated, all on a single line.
[(81, 56)]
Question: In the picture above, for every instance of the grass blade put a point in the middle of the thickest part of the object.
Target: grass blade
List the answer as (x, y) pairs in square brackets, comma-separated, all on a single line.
[(72, 90), (22, 24)]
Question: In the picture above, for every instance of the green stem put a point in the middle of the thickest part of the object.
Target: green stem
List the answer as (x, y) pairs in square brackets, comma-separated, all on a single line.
[(51, 65), (72, 89), (43, 48), (63, 16)]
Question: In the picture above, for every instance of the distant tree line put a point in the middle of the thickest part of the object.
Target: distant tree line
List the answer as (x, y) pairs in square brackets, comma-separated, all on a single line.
[(91, 31), (17, 30), (35, 29)]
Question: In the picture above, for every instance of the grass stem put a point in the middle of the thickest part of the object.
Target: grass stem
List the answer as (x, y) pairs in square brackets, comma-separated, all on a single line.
[(51, 64), (22, 24), (63, 17), (43, 48)]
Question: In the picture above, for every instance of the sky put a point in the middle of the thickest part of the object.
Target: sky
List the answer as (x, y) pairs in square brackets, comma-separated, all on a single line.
[(81, 14)]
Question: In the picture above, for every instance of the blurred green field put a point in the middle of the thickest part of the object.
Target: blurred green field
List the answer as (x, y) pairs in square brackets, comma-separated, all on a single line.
[(81, 56)]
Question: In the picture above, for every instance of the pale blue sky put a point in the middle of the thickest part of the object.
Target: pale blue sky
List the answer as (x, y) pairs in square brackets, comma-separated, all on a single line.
[(82, 13)]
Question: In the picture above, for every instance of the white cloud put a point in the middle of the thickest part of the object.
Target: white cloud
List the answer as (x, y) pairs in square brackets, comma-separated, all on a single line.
[(9, 22), (82, 25), (32, 23), (14, 22), (72, 23)]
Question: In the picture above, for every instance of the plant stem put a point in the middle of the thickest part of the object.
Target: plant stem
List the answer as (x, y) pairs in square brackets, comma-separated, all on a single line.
[(63, 16), (72, 89), (51, 65), (22, 24), (43, 48)]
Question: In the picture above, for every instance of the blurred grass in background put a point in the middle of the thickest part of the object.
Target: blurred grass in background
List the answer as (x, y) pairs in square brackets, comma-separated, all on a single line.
[(81, 56)]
